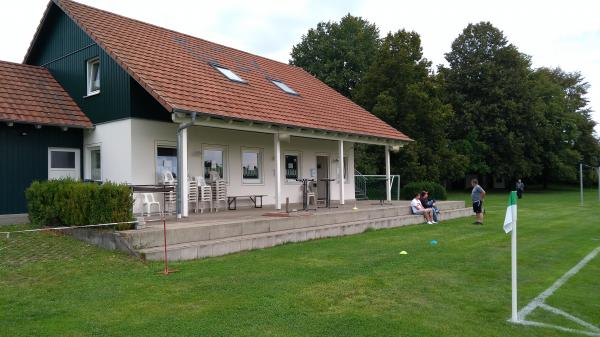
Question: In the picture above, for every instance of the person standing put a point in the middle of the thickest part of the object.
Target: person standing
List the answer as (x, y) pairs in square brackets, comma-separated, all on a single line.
[(477, 196), (520, 188)]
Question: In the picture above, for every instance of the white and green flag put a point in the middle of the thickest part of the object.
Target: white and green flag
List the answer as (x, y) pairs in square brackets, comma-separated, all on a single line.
[(511, 212)]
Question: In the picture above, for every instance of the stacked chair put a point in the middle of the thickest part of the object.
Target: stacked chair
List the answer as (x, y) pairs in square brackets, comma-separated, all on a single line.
[(170, 198), (205, 195), (219, 190), (193, 193)]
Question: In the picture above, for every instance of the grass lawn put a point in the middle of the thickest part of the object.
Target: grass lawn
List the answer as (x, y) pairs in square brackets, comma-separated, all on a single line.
[(350, 286)]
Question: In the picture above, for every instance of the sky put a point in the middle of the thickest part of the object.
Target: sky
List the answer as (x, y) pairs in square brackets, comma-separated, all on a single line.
[(562, 34)]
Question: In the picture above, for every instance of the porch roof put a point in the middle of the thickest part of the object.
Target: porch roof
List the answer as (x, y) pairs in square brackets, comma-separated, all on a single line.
[(179, 71), (30, 95)]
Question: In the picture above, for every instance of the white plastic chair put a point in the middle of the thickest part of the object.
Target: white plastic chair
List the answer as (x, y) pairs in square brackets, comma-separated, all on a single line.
[(150, 201), (167, 178), (312, 194)]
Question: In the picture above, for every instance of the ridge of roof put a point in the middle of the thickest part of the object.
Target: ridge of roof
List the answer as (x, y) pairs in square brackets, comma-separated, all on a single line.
[(172, 31)]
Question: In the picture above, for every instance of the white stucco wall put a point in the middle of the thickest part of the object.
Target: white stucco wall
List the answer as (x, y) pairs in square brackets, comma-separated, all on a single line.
[(114, 141), (128, 155), (146, 135)]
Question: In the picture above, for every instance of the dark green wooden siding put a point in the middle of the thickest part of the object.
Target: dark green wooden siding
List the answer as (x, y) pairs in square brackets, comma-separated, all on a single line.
[(143, 105), (24, 158), (64, 49)]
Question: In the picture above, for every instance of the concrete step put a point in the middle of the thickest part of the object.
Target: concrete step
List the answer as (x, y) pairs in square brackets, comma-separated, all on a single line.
[(195, 232), (232, 244)]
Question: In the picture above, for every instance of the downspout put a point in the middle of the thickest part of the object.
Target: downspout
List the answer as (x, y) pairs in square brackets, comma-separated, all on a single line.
[(180, 154)]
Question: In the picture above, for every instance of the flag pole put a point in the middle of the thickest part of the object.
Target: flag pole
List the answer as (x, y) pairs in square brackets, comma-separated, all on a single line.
[(515, 315)]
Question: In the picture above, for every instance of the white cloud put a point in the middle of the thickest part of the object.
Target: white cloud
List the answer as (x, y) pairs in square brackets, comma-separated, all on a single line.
[(554, 33)]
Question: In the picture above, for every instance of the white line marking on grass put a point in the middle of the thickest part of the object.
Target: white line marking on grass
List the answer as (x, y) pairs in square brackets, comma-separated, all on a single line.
[(539, 302), (558, 327), (570, 317)]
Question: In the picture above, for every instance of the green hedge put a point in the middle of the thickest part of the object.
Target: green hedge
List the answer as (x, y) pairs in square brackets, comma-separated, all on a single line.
[(436, 191), (66, 202)]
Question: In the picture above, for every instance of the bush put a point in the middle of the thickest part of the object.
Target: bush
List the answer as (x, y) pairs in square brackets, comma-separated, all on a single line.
[(436, 191), (66, 202)]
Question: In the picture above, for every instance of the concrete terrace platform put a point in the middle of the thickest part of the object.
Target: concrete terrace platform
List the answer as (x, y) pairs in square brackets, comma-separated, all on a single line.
[(225, 232)]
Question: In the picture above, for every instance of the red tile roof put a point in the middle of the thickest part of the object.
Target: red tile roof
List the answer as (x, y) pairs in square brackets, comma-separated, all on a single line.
[(29, 94), (176, 69)]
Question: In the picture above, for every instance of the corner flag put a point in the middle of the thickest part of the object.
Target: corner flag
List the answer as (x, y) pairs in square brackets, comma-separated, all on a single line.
[(511, 212), (510, 226)]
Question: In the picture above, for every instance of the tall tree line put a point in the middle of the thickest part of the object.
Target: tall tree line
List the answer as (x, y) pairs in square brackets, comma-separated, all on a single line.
[(488, 112)]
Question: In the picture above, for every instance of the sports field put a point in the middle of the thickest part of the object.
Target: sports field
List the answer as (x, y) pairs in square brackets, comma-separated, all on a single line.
[(349, 286)]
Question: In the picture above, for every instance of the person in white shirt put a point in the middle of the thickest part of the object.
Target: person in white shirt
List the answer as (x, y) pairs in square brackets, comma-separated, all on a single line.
[(417, 208)]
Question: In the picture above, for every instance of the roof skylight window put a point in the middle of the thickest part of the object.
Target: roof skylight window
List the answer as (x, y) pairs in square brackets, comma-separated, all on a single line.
[(284, 87), (230, 74)]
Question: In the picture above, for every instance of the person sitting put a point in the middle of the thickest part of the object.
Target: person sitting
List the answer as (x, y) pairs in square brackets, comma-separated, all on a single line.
[(429, 203), (418, 209)]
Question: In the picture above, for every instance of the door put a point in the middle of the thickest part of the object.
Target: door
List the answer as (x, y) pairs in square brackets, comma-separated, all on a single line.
[(322, 173), (63, 163)]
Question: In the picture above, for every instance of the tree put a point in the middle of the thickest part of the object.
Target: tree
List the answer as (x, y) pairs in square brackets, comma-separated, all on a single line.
[(338, 53), (565, 130), (487, 83), (400, 89)]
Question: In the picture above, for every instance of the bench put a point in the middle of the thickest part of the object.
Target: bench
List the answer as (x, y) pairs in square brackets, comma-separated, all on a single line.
[(232, 200)]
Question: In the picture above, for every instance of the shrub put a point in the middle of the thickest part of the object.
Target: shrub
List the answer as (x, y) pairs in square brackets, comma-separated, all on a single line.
[(436, 191), (66, 202)]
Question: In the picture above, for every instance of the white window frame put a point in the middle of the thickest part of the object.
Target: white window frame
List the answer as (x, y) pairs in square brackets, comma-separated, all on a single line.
[(89, 66), (225, 150), (292, 153), (77, 167), (259, 152), (164, 144), (88, 159), (230, 74), (285, 88)]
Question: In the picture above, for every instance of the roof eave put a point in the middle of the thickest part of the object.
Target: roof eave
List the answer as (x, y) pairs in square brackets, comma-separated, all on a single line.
[(70, 126), (270, 127)]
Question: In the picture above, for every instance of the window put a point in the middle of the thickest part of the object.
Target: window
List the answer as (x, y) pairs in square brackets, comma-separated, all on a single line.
[(230, 74), (251, 166), (62, 159), (284, 87), (166, 161), (291, 166), (95, 164), (93, 76), (214, 163), (63, 163)]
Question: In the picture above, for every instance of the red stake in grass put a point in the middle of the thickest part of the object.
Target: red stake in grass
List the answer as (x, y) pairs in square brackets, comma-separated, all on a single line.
[(166, 271)]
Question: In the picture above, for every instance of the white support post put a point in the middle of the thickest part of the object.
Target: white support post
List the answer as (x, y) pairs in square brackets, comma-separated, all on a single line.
[(183, 180), (341, 175), (388, 185), (515, 310), (277, 154)]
